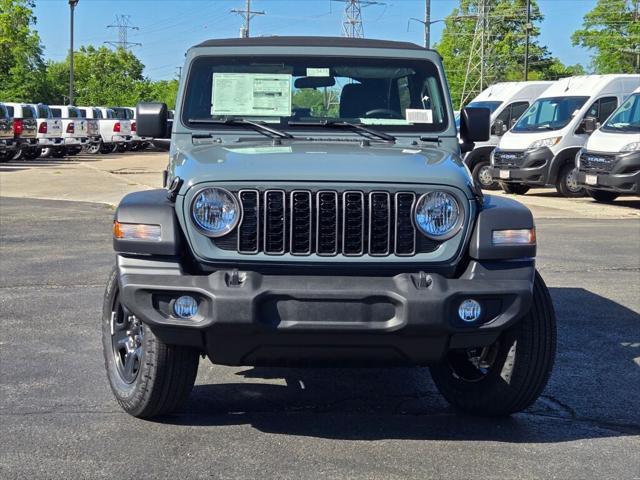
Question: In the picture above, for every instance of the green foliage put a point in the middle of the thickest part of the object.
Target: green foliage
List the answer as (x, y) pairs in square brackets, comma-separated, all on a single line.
[(612, 30), (21, 65), (164, 91), (323, 103), (505, 49)]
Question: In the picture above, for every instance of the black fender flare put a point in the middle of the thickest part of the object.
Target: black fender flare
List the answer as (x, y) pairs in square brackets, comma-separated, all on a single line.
[(477, 154), (567, 155), (150, 207)]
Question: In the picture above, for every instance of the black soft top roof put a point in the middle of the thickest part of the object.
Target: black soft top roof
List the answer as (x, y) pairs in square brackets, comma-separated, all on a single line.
[(309, 42)]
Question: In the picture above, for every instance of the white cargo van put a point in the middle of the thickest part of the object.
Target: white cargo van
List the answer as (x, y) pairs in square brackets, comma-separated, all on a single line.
[(609, 165), (507, 101), (540, 149)]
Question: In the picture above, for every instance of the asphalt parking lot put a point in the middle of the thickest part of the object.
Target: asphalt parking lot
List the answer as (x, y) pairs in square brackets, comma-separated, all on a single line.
[(58, 417)]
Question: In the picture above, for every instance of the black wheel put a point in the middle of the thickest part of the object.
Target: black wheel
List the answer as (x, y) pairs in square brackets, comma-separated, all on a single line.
[(567, 184), (6, 156), (482, 176), (121, 148), (58, 152), (514, 188), (32, 153), (18, 154), (106, 148), (46, 152), (602, 195), (509, 375), (148, 377)]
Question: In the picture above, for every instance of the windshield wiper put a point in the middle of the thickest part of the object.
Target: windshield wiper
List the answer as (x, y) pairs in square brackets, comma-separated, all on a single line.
[(355, 127), (257, 126)]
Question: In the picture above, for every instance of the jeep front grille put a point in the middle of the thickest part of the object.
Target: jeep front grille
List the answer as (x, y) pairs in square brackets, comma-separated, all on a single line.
[(327, 223)]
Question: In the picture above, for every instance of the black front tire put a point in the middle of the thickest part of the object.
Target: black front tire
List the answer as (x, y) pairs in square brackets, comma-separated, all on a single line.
[(165, 373), (567, 183), (514, 188), (602, 195), (521, 361), (482, 176)]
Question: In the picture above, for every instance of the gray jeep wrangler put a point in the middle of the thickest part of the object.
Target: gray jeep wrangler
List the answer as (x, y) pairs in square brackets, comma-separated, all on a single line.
[(316, 213)]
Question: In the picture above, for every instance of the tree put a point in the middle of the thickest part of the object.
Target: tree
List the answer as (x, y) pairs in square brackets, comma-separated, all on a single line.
[(164, 91), (21, 65), (504, 51), (612, 30)]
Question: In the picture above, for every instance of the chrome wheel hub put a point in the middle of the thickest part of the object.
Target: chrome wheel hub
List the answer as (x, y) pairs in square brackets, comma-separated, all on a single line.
[(127, 336)]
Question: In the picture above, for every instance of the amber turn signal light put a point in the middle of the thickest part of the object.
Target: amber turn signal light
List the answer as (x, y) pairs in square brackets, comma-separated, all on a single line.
[(136, 231)]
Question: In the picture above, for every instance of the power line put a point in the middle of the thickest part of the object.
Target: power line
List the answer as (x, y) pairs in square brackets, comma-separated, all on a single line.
[(247, 14), (122, 24), (352, 21), (477, 66)]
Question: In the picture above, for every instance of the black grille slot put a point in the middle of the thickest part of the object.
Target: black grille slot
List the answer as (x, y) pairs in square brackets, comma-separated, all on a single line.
[(301, 223), (353, 223), (379, 223), (274, 222), (405, 234), (249, 230), (327, 223)]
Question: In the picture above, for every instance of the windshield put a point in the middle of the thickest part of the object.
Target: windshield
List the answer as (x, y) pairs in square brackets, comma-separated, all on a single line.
[(43, 111), (390, 94), (626, 118), (492, 106), (551, 113)]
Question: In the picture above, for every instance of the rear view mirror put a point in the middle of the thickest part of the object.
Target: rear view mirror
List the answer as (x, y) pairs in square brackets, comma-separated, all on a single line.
[(475, 125), (499, 128), (314, 82), (151, 120), (588, 125)]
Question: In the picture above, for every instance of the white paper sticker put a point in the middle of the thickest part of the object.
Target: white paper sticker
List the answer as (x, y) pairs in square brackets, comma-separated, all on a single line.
[(251, 94), (415, 115), (318, 72)]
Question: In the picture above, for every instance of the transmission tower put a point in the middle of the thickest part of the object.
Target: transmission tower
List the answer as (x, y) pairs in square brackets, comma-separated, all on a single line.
[(352, 22), (122, 24), (247, 14), (478, 74)]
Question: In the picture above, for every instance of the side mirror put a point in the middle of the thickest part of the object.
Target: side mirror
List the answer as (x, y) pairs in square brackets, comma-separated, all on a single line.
[(588, 125), (475, 125), (152, 120), (499, 128)]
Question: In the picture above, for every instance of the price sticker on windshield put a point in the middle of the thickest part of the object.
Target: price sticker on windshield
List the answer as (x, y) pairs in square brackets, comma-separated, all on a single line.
[(251, 94), (415, 115)]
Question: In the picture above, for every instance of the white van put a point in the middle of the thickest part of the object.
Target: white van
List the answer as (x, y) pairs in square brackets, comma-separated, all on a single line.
[(541, 147), (507, 101), (609, 165)]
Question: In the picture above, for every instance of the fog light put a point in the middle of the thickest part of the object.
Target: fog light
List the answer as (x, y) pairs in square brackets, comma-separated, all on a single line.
[(185, 307), (469, 310)]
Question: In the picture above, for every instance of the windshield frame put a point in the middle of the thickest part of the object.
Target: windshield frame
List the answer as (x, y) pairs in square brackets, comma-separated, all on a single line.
[(283, 122), (522, 129), (635, 98)]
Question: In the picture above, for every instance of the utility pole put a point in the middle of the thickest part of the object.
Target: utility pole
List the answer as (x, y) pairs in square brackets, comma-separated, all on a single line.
[(477, 74), (122, 24), (527, 28), (352, 26), (72, 7), (247, 14), (427, 22)]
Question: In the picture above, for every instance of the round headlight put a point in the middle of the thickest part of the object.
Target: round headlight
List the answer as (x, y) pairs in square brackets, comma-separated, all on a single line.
[(438, 215), (215, 211)]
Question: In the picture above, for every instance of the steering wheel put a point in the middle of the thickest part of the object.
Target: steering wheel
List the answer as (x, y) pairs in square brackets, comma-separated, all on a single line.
[(383, 113)]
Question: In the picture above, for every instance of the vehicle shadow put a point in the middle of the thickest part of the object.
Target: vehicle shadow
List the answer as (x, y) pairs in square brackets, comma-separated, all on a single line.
[(586, 396), (623, 201)]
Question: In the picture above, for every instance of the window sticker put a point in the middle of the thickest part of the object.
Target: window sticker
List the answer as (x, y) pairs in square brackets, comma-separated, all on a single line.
[(415, 115), (251, 94), (318, 72)]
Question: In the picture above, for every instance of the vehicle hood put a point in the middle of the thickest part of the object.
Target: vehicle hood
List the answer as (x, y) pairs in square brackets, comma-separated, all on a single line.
[(522, 140), (600, 141), (319, 162)]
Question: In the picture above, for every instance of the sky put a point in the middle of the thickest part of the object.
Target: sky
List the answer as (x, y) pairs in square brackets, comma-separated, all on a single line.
[(167, 28)]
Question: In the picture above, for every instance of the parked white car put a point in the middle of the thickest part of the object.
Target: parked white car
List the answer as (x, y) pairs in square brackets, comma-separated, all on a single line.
[(609, 164), (49, 130), (507, 101), (127, 113), (30, 146), (74, 128), (119, 134), (541, 147)]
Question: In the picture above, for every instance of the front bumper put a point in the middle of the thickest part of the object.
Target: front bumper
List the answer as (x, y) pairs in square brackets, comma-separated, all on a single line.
[(407, 319), (120, 138), (526, 167), (615, 173)]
